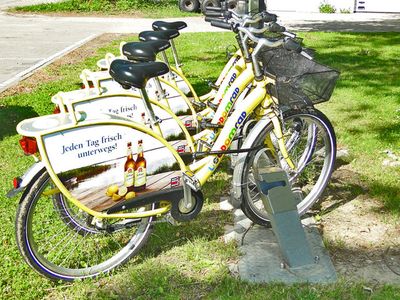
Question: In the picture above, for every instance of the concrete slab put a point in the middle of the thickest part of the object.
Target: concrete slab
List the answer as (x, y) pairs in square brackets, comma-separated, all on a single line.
[(262, 261)]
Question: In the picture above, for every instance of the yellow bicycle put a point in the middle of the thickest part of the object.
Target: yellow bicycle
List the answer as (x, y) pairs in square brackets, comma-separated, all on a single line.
[(100, 180)]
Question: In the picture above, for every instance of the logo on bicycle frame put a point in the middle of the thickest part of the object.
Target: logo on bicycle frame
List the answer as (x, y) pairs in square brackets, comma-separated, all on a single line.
[(228, 106), (233, 78), (228, 140)]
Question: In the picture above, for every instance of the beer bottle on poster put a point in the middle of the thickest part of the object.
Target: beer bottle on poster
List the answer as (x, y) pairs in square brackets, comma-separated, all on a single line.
[(129, 170), (140, 169), (143, 118)]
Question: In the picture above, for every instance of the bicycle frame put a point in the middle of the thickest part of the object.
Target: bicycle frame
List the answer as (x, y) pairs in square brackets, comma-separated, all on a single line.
[(235, 60), (202, 169), (105, 103), (195, 174), (177, 72), (103, 83), (98, 80), (109, 104)]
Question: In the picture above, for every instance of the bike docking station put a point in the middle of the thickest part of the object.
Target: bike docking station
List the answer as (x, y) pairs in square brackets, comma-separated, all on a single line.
[(291, 251)]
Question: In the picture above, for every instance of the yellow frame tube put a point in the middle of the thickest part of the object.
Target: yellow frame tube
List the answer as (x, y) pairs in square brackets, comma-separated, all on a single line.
[(225, 137), (185, 98)]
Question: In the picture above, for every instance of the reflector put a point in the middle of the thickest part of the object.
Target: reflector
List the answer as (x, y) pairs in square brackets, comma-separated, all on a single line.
[(28, 145), (16, 182)]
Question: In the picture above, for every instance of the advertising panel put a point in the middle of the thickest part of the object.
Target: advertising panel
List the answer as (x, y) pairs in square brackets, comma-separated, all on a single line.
[(104, 164)]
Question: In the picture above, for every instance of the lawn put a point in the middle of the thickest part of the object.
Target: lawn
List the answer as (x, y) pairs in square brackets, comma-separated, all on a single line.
[(190, 261), (127, 8)]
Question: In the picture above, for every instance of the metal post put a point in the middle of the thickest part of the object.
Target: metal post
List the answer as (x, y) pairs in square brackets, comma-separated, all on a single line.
[(175, 54), (280, 204), (149, 110), (165, 59)]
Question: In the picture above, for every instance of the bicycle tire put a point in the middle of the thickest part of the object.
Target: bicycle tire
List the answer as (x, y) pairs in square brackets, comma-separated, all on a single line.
[(189, 5), (252, 205), (37, 219), (72, 216)]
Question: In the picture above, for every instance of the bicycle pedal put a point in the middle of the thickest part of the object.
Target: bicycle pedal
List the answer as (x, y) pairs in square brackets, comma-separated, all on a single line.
[(213, 85), (169, 219), (212, 105), (207, 125), (200, 105), (98, 223)]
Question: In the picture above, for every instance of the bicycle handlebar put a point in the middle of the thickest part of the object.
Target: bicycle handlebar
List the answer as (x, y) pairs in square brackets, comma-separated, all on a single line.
[(221, 24), (263, 41), (268, 17), (213, 8), (292, 45), (289, 34), (276, 28), (238, 24), (213, 14), (211, 19)]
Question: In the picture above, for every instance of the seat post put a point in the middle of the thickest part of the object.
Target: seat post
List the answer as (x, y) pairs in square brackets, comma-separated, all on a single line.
[(161, 95), (165, 59), (154, 121), (178, 63)]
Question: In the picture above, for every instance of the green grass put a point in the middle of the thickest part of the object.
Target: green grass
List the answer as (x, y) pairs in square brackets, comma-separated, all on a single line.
[(190, 260), (365, 106), (138, 8)]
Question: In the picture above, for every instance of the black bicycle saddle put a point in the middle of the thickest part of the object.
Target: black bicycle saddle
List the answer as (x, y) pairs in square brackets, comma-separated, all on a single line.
[(161, 25), (129, 74), (158, 35), (144, 51)]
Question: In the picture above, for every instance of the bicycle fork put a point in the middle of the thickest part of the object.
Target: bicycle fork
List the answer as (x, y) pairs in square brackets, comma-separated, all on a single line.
[(277, 129)]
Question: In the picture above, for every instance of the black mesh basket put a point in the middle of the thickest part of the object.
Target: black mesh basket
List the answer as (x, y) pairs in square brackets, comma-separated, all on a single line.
[(300, 81)]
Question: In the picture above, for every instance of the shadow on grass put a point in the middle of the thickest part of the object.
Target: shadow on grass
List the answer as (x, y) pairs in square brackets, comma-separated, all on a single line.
[(368, 87), (359, 57), (167, 282), (185, 279), (345, 185), (200, 85), (356, 26), (10, 116), (389, 194), (389, 132), (206, 226)]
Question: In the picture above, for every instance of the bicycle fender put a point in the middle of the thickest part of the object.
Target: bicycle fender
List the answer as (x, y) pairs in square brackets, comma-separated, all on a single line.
[(236, 195), (35, 170)]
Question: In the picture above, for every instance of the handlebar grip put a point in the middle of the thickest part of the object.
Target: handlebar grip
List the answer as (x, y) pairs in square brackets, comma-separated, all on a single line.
[(267, 17), (289, 34), (213, 8), (274, 27), (213, 14), (213, 19), (221, 24), (291, 45)]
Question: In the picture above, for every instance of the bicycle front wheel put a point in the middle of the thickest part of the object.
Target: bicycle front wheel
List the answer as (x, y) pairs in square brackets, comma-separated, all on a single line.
[(311, 144), (61, 242)]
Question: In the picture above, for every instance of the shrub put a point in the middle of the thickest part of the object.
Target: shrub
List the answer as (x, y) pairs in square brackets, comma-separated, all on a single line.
[(327, 8), (345, 11)]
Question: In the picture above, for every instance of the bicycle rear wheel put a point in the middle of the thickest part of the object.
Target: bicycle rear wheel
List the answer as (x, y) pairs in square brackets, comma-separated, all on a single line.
[(59, 242), (311, 144)]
